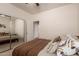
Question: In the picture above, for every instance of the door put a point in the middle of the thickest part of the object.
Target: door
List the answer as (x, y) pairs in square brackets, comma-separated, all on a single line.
[(35, 29)]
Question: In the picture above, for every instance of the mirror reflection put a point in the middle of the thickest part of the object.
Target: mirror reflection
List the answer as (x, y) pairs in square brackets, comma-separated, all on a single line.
[(11, 32)]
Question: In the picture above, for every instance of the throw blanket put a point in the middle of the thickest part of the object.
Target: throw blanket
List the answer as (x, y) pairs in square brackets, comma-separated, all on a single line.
[(31, 48)]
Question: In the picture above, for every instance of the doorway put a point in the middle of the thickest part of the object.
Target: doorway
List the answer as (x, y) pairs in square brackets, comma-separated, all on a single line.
[(35, 29)]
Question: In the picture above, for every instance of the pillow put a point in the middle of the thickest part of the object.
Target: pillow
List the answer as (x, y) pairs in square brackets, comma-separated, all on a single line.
[(53, 45), (63, 40), (52, 48), (72, 36), (66, 37), (68, 51)]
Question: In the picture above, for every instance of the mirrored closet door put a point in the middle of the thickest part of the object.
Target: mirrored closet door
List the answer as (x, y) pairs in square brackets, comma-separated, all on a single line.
[(11, 32), (4, 32)]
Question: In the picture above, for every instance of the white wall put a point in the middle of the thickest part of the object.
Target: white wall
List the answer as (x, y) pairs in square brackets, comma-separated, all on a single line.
[(52, 22), (59, 21), (11, 10)]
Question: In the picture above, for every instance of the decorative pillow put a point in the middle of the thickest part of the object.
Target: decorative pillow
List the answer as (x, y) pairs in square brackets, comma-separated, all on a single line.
[(53, 45), (63, 40), (68, 51), (52, 48)]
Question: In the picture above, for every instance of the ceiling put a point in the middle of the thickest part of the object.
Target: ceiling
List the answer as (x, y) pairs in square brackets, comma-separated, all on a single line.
[(33, 9)]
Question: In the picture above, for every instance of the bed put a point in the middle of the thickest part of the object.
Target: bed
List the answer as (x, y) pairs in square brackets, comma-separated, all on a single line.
[(63, 49), (43, 47), (6, 38), (31, 48)]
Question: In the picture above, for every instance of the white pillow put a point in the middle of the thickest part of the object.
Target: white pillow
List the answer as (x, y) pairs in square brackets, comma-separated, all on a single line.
[(63, 40), (69, 51), (52, 47)]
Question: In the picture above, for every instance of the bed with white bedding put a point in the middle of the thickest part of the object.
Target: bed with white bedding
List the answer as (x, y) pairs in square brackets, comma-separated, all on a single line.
[(67, 47)]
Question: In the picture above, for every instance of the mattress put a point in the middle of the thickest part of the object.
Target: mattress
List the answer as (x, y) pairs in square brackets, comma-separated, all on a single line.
[(31, 48)]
